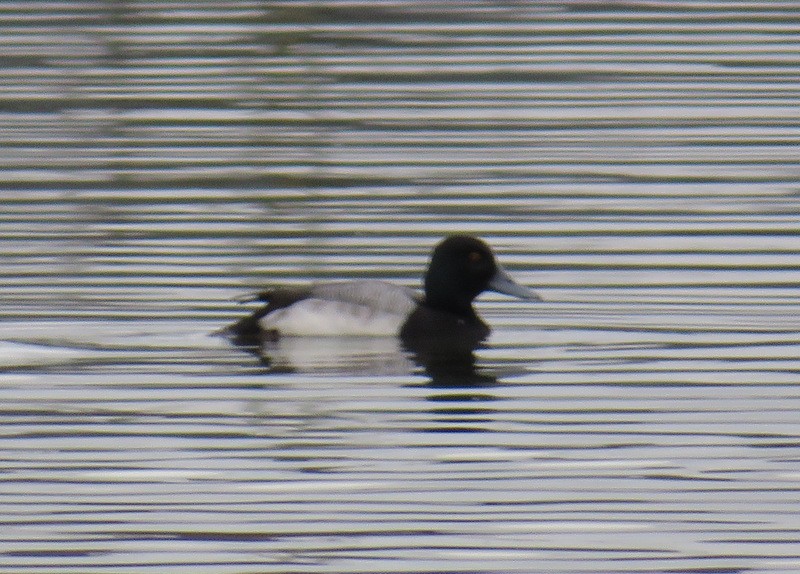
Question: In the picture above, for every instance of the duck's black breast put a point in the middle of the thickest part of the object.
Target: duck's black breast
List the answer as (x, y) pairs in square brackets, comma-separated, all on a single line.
[(427, 322)]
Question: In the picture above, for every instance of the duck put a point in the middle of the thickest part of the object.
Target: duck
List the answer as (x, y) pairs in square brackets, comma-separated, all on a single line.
[(461, 267)]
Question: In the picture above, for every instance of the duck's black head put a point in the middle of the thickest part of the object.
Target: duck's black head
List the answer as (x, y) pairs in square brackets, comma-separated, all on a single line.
[(461, 268)]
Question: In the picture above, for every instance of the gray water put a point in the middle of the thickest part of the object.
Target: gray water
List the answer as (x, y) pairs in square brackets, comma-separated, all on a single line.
[(635, 163)]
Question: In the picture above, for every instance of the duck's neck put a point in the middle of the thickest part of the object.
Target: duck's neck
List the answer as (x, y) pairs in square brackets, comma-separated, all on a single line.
[(443, 297), (463, 309)]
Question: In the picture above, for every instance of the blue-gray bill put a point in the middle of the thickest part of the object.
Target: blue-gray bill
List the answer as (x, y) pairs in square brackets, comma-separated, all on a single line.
[(503, 283)]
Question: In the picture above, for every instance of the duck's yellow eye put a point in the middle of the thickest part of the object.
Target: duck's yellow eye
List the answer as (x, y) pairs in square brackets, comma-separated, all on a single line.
[(474, 257)]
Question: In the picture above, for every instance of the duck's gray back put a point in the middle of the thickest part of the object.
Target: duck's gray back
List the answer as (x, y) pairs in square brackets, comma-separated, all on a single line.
[(378, 295), (364, 308)]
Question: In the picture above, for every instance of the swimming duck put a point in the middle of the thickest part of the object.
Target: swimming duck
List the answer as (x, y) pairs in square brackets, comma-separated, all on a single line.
[(460, 269)]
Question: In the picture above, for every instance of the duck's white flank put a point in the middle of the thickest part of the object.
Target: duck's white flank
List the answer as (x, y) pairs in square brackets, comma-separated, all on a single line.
[(365, 308)]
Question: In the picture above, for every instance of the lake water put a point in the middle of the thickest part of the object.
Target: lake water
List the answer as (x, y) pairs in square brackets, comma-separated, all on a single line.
[(637, 164)]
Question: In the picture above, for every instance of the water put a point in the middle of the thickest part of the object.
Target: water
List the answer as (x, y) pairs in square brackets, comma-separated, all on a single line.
[(636, 164)]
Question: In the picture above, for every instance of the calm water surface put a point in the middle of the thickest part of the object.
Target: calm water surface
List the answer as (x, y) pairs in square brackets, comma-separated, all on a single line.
[(637, 164)]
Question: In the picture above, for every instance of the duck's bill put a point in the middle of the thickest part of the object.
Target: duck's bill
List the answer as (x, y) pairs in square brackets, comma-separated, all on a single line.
[(503, 283)]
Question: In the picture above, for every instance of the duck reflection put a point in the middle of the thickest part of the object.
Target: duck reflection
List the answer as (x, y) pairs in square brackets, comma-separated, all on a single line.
[(449, 362), (459, 397), (459, 386)]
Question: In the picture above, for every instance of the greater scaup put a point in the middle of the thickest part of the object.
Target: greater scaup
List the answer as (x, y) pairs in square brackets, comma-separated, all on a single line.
[(460, 269)]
